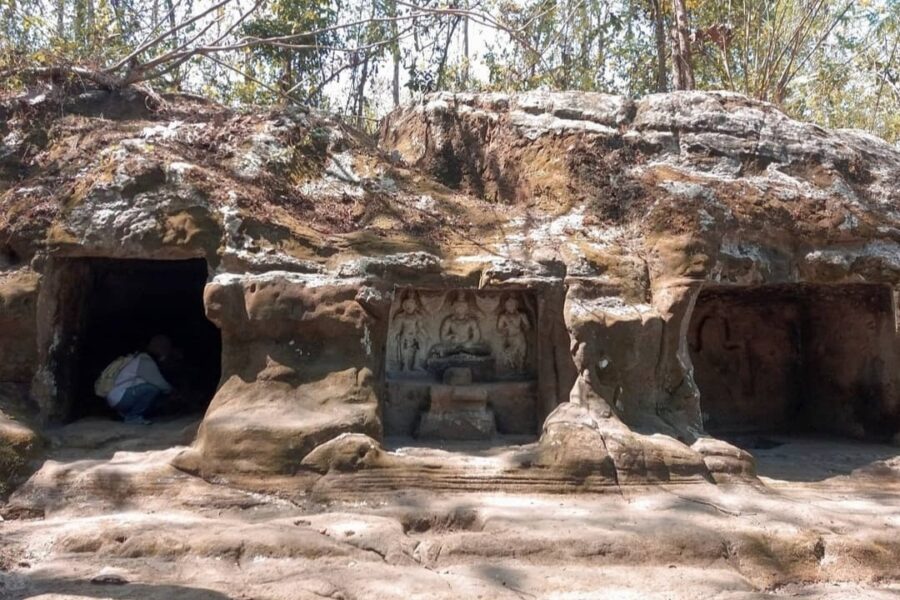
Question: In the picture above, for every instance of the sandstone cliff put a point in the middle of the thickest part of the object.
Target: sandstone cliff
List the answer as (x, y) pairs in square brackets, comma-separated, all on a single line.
[(615, 216)]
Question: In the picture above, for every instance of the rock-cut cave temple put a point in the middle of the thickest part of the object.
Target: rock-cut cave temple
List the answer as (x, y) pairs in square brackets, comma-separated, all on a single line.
[(602, 289)]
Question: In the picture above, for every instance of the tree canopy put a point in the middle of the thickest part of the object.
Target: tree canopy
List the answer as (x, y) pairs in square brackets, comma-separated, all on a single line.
[(836, 62)]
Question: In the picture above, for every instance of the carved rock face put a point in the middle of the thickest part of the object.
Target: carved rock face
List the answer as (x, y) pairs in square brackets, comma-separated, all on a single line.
[(555, 245), (446, 347), (440, 328)]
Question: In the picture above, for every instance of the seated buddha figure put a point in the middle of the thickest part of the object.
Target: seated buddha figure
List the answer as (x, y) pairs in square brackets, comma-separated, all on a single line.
[(460, 334)]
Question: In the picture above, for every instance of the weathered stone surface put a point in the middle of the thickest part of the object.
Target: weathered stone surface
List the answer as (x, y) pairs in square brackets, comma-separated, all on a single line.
[(573, 443), (346, 452), (297, 370), (724, 460), (611, 216), (18, 325), (168, 533), (18, 444), (458, 424), (700, 187), (619, 225), (18, 359)]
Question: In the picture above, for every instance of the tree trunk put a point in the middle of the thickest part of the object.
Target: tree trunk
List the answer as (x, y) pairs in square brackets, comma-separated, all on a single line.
[(287, 73), (465, 73), (395, 53), (395, 86), (442, 65), (170, 9), (361, 95), (61, 19), (80, 23), (119, 13), (683, 66), (659, 30)]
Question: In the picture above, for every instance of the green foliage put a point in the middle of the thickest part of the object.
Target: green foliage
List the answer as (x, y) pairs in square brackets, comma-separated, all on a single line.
[(87, 33), (836, 62), (590, 45), (298, 68), (853, 84)]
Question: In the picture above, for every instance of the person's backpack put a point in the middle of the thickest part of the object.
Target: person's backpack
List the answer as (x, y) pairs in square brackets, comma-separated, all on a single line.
[(107, 380)]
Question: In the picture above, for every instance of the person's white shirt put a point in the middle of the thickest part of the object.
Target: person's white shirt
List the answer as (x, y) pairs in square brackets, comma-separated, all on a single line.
[(140, 369)]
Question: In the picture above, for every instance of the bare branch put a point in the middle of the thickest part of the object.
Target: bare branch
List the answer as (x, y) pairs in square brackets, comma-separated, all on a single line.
[(100, 79), (162, 37), (222, 63), (173, 58)]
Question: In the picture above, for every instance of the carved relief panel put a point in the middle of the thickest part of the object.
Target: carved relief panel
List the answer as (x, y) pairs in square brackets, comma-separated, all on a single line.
[(493, 333)]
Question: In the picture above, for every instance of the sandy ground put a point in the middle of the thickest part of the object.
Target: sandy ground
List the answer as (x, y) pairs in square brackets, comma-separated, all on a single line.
[(119, 522)]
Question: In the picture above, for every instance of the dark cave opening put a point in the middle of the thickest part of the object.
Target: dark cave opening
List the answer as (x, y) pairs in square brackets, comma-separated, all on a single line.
[(797, 359), (9, 257), (125, 303)]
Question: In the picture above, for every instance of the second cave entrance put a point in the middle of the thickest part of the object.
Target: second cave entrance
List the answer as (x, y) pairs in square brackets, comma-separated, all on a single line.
[(787, 359)]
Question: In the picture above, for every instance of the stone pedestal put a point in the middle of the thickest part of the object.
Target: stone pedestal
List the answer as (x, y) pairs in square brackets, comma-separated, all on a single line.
[(480, 367), (458, 409), (475, 424), (514, 404)]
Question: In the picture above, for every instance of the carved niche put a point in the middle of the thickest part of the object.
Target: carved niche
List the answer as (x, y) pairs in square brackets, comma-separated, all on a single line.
[(491, 332), (461, 364)]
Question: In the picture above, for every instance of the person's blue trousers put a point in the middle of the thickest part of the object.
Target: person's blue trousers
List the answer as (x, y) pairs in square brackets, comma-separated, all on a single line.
[(138, 401)]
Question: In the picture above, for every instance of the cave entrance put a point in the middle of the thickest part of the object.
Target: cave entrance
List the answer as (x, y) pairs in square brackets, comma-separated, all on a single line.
[(797, 359), (115, 307)]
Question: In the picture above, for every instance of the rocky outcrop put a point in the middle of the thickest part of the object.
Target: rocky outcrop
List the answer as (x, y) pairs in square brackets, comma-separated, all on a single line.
[(715, 186), (647, 202), (605, 218), (298, 370), (18, 445), (18, 347)]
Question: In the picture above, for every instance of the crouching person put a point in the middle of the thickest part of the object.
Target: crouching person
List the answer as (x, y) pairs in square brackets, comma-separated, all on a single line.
[(133, 386)]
